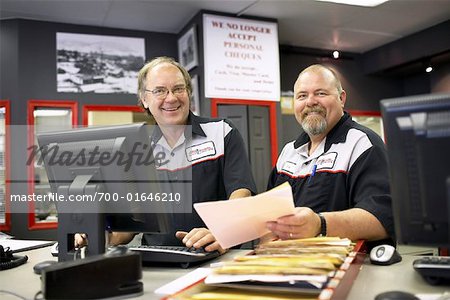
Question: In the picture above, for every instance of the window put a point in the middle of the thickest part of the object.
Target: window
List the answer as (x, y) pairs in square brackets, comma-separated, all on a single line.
[(45, 116), (4, 165), (97, 115)]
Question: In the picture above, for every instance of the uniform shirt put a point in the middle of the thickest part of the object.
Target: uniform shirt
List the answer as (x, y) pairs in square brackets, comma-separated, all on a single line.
[(348, 169), (209, 161)]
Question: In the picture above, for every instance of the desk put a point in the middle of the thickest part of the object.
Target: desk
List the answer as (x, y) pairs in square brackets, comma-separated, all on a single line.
[(371, 280), (24, 282)]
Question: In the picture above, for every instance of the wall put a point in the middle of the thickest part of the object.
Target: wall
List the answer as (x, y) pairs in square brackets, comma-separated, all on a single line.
[(363, 91), (425, 44), (440, 79), (391, 70), (28, 71)]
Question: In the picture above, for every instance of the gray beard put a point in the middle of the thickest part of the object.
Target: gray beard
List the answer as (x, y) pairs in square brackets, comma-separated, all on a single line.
[(314, 127)]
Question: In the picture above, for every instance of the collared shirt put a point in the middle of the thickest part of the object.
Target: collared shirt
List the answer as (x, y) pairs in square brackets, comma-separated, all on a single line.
[(211, 152), (348, 169)]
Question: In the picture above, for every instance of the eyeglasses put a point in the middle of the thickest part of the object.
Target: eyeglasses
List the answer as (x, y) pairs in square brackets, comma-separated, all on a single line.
[(162, 92)]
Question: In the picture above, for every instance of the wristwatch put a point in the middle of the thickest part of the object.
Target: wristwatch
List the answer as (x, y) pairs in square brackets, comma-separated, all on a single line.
[(323, 225)]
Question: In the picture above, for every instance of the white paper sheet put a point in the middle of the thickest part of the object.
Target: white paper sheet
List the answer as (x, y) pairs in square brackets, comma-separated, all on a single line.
[(237, 221), (24, 245), (183, 281)]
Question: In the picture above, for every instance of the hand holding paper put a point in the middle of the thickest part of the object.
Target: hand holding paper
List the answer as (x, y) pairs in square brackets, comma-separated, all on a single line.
[(236, 221)]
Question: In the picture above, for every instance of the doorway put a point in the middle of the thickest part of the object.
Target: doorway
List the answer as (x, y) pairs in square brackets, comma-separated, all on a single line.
[(256, 121)]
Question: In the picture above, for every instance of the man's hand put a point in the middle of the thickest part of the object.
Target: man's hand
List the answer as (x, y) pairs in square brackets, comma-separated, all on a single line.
[(268, 237), (114, 238), (80, 240), (304, 223), (199, 237)]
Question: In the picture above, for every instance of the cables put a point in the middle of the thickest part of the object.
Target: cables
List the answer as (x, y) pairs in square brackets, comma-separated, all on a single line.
[(5, 292), (8, 260)]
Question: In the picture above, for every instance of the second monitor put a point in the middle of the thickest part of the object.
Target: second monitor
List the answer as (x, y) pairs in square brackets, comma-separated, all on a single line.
[(96, 175)]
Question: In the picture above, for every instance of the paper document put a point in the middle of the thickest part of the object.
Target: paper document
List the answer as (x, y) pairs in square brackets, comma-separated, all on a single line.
[(183, 281), (24, 245), (237, 221)]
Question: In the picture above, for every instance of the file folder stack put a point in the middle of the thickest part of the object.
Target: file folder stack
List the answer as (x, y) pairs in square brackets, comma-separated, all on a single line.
[(302, 269)]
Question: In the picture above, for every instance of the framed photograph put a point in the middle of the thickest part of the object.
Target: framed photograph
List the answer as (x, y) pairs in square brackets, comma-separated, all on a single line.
[(89, 63), (195, 101), (187, 49)]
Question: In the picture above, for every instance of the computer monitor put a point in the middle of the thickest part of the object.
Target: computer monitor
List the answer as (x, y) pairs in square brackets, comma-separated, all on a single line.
[(417, 134), (97, 175)]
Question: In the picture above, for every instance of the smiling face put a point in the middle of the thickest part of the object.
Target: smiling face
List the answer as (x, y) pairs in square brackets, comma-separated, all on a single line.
[(319, 100), (174, 108)]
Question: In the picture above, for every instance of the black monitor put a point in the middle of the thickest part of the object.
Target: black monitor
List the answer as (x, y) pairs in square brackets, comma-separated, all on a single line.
[(97, 176), (417, 134)]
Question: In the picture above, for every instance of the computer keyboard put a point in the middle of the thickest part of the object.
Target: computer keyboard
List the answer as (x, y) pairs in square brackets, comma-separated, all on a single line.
[(174, 254), (434, 269)]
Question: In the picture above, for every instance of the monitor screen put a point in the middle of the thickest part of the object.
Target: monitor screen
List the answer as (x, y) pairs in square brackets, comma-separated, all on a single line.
[(96, 175), (417, 134)]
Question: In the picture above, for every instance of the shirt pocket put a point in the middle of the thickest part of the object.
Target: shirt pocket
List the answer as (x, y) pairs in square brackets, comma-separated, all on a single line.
[(316, 192)]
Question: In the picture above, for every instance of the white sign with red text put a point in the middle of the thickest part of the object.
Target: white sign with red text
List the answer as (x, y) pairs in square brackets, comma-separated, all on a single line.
[(241, 58)]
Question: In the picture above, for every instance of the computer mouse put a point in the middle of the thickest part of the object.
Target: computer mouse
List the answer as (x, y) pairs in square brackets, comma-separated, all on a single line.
[(384, 255), (43, 264), (396, 295)]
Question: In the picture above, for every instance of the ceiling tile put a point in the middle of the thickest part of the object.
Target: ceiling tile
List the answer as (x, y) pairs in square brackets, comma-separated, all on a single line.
[(302, 23)]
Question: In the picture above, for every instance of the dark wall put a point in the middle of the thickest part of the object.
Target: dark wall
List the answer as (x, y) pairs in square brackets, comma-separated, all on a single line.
[(28, 71), (392, 70), (37, 64), (197, 23), (363, 91), (9, 48), (440, 79), (424, 44)]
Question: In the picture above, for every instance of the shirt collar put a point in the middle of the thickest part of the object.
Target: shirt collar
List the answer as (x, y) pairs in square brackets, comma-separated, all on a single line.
[(194, 128), (339, 132), (336, 135), (195, 121), (303, 150)]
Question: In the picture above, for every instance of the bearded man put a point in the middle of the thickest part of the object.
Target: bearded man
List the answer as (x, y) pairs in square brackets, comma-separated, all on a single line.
[(337, 168)]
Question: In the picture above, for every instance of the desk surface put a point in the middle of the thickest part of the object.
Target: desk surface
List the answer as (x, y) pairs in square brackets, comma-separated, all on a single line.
[(371, 280)]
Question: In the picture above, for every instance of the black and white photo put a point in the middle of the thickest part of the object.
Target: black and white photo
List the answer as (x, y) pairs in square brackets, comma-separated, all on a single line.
[(195, 101), (187, 49), (98, 63)]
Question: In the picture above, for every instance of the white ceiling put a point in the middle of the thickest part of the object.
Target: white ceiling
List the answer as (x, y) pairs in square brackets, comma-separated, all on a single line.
[(302, 23)]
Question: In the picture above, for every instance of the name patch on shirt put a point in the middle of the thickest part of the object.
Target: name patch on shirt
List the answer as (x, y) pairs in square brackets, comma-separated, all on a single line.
[(199, 151), (326, 161), (289, 167)]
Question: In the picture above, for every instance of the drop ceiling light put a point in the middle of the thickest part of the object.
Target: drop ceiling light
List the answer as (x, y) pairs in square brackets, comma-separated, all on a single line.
[(368, 3)]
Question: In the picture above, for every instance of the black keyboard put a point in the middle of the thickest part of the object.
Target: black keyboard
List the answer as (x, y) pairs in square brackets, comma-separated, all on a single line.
[(174, 255), (434, 269)]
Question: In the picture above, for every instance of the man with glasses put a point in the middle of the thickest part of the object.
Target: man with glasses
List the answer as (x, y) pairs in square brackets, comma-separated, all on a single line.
[(336, 167), (212, 151)]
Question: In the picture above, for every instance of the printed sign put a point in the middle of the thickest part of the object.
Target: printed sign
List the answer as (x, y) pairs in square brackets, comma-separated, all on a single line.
[(241, 58)]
